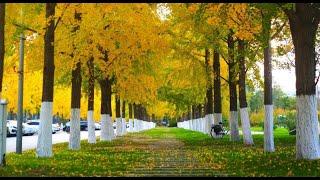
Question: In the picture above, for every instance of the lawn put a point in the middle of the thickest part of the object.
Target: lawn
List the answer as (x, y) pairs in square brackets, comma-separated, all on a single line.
[(167, 152)]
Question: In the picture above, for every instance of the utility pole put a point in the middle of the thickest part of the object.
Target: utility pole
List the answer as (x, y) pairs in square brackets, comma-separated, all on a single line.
[(20, 98), (3, 131), (20, 88)]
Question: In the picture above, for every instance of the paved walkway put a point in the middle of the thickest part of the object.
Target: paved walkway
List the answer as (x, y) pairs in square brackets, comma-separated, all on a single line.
[(169, 157)]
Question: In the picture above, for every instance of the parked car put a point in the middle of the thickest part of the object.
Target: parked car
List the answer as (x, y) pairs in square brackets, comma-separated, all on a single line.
[(97, 126), (55, 128), (114, 125), (11, 129), (65, 127), (83, 126), (26, 129), (36, 124)]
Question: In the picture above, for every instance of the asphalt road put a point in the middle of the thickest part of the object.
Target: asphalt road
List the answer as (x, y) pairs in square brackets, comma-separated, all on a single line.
[(30, 142)]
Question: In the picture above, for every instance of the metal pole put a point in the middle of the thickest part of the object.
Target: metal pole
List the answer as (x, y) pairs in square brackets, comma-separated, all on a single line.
[(3, 132), (20, 98)]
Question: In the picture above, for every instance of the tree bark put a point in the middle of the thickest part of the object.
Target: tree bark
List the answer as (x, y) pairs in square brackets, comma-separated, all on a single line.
[(44, 145), (107, 133), (74, 140), (123, 120), (268, 106), (131, 120), (208, 117), (2, 46), (123, 109), (209, 103), (118, 116), (245, 121), (90, 114), (234, 131), (217, 88), (303, 25)]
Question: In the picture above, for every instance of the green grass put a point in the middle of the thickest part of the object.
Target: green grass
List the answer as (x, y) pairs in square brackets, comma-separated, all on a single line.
[(121, 156)]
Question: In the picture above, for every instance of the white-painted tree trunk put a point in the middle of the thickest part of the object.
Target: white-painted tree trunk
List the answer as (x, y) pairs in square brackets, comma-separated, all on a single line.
[(124, 126), (74, 138), (217, 118), (191, 122), (268, 129), (91, 127), (202, 124), (245, 123), (135, 125), (210, 121), (196, 124), (130, 125), (307, 137), (44, 144), (119, 126), (104, 128), (318, 127), (110, 133), (234, 127)]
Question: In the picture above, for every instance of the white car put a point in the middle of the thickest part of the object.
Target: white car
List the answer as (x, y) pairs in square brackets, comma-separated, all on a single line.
[(114, 125), (55, 128), (26, 129), (36, 124), (97, 126), (11, 128)]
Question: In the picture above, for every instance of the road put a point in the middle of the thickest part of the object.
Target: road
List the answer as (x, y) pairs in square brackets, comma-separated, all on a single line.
[(30, 142)]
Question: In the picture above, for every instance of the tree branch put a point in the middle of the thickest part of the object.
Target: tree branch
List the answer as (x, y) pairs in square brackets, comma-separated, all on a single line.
[(279, 30), (224, 79), (55, 26), (24, 27), (225, 59)]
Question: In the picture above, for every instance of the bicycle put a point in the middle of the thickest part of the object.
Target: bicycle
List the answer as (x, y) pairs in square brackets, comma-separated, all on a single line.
[(218, 130)]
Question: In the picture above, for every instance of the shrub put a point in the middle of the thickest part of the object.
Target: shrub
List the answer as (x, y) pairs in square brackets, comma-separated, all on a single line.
[(262, 125), (256, 118), (291, 120)]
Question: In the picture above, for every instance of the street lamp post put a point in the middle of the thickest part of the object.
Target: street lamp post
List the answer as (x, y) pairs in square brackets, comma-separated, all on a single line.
[(20, 98)]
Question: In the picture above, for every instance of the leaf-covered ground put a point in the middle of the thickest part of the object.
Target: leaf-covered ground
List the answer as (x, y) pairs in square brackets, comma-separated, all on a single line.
[(166, 152)]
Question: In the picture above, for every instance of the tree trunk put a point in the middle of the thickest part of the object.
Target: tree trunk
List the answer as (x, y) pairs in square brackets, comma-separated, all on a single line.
[(44, 144), (2, 46), (208, 120), (245, 122), (74, 138), (217, 88), (90, 115), (107, 133), (124, 126), (135, 119), (303, 25), (130, 118), (234, 130), (118, 116), (268, 106)]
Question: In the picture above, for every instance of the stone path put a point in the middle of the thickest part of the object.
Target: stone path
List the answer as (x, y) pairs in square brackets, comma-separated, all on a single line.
[(169, 157)]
